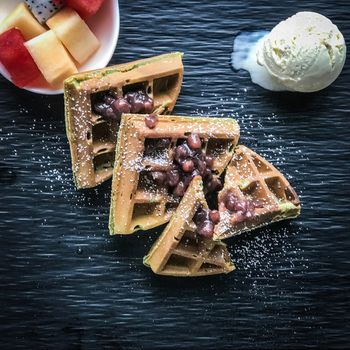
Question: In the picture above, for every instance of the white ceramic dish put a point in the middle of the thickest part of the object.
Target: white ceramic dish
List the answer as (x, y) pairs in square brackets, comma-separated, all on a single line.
[(105, 25)]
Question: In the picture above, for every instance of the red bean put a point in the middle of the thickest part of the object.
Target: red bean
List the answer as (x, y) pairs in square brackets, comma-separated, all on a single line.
[(148, 106), (230, 201), (109, 113), (130, 96), (151, 120), (194, 141), (214, 185), (181, 153), (159, 177), (214, 216), (108, 99), (206, 229), (187, 166), (241, 205), (137, 106), (173, 177), (209, 161), (179, 190), (187, 180), (120, 106), (201, 216)]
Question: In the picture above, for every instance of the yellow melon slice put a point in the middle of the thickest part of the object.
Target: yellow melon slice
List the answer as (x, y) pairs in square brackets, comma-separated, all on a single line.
[(74, 33), (22, 19), (51, 57)]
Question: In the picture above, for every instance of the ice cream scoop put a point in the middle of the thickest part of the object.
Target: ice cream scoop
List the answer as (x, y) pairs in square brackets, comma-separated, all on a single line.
[(305, 53)]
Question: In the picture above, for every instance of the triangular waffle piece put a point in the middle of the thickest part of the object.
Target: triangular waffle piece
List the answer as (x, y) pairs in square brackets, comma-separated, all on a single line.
[(138, 202), (258, 193), (92, 138), (180, 251)]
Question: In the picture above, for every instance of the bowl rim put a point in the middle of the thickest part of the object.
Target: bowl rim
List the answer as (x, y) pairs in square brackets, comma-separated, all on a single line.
[(108, 54)]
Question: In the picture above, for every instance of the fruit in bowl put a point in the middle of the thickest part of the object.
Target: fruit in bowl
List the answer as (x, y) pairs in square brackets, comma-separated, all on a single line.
[(55, 41), (16, 58), (51, 58), (74, 33)]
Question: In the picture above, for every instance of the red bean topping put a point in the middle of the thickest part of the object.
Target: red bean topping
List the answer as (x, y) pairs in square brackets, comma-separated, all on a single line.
[(205, 221), (206, 229), (179, 190), (100, 107), (181, 153), (209, 161), (120, 106), (151, 120), (214, 216), (241, 208), (230, 201), (194, 141), (201, 167), (208, 175), (214, 185), (159, 177), (200, 216), (130, 96), (108, 99), (148, 105), (173, 177), (109, 113), (187, 166), (110, 106)]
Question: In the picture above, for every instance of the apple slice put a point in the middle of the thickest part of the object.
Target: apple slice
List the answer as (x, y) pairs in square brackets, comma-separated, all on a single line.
[(22, 19), (16, 58), (52, 58), (74, 33)]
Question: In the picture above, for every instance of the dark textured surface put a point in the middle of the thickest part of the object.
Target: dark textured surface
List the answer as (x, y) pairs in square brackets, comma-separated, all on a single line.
[(65, 284)]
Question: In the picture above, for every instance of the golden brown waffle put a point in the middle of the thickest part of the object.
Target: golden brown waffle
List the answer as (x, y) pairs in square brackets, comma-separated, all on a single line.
[(180, 251), (92, 139), (137, 202), (250, 177)]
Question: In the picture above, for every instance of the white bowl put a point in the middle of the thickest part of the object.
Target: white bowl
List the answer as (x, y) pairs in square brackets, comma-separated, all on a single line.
[(105, 25)]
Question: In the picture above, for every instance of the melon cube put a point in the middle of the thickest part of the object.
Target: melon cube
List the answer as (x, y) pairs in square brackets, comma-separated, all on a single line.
[(85, 8), (22, 19), (52, 58), (74, 33), (16, 59)]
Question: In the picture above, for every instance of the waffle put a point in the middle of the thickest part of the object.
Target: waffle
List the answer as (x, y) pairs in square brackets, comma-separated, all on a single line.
[(92, 139), (251, 177), (180, 251), (138, 202)]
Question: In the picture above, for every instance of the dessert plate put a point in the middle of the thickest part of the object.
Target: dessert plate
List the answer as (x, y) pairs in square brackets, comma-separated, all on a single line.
[(105, 25)]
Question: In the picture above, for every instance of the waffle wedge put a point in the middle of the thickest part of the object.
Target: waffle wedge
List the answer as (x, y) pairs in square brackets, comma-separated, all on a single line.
[(180, 251), (92, 138), (138, 202), (249, 177)]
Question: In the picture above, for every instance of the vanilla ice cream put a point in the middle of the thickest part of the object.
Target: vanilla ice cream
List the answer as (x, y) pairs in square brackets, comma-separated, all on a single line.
[(306, 52)]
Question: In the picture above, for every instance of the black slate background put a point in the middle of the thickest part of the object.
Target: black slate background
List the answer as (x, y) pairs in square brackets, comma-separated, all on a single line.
[(65, 284)]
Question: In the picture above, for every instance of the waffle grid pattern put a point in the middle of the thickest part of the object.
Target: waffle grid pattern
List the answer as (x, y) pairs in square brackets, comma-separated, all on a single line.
[(137, 201), (180, 251), (92, 139), (249, 176)]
